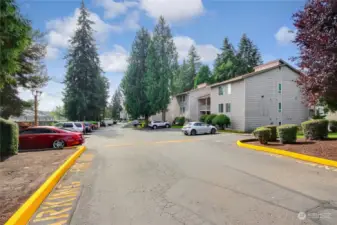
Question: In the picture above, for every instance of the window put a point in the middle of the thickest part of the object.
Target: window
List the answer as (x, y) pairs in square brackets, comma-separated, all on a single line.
[(30, 131), (279, 88), (220, 108), (229, 89), (228, 107), (220, 90), (280, 107), (182, 110), (78, 124), (69, 125)]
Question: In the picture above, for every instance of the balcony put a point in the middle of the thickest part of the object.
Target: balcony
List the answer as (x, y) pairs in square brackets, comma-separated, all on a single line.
[(204, 107)]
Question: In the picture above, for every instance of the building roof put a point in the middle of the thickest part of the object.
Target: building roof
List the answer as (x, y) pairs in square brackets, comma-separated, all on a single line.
[(259, 70), (199, 87)]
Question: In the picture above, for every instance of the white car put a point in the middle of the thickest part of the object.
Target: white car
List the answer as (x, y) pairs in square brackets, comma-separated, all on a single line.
[(71, 126), (194, 128), (157, 124)]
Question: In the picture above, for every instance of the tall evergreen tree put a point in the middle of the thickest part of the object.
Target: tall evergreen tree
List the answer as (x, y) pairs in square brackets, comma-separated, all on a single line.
[(226, 63), (180, 78), (204, 75), (248, 56), (133, 84), (14, 39), (116, 106), (193, 62), (83, 80), (167, 60)]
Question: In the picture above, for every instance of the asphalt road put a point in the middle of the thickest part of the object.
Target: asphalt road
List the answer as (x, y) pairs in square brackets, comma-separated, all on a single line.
[(165, 178)]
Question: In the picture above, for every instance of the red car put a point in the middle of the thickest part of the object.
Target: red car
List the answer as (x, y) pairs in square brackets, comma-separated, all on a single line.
[(48, 137)]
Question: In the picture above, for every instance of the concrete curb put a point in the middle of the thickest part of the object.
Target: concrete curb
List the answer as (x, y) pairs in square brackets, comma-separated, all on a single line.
[(27, 210), (294, 155)]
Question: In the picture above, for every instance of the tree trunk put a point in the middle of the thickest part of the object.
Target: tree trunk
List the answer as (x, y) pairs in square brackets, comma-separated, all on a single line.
[(163, 115), (146, 120)]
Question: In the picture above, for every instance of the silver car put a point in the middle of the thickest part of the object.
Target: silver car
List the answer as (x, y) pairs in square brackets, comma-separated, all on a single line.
[(194, 128)]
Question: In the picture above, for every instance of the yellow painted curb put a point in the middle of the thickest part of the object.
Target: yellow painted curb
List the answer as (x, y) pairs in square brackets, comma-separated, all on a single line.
[(308, 158), (27, 210)]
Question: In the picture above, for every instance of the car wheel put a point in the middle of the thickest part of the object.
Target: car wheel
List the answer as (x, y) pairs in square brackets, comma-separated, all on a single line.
[(167, 125), (213, 131), (193, 132), (58, 144), (154, 127)]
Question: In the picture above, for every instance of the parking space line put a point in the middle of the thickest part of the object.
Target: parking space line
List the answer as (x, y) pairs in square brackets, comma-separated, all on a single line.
[(154, 143)]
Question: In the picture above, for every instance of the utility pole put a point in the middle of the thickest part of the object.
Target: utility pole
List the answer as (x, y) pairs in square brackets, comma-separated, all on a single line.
[(36, 94)]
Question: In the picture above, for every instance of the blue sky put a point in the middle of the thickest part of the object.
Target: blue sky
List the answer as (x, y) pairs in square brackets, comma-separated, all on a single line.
[(203, 23)]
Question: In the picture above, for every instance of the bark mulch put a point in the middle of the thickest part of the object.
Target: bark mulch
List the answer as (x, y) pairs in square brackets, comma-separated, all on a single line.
[(21, 175), (323, 149)]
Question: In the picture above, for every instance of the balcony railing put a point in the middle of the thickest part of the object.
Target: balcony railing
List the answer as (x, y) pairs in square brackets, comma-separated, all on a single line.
[(204, 107)]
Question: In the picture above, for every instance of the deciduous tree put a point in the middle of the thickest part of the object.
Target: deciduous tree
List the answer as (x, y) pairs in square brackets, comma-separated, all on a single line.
[(316, 38)]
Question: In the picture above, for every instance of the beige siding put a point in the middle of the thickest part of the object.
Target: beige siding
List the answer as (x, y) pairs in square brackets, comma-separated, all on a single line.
[(236, 99), (293, 110), (332, 116), (193, 102), (173, 111), (263, 98)]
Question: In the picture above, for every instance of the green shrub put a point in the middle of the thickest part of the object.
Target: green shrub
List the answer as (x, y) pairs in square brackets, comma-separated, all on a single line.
[(221, 120), (263, 134), (287, 133), (203, 118), (333, 125), (273, 129), (180, 121), (9, 139), (315, 129), (210, 118)]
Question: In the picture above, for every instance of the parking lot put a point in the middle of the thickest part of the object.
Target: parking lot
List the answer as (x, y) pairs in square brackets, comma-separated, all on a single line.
[(164, 177)]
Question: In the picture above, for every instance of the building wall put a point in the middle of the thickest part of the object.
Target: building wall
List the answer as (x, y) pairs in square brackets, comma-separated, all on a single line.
[(236, 98), (331, 116), (193, 102), (263, 98), (173, 110)]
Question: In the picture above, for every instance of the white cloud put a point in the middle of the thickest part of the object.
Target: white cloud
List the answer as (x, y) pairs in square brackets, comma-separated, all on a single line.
[(113, 9), (61, 30), (206, 52), (131, 21), (285, 35), (115, 61), (50, 98), (173, 10), (52, 53)]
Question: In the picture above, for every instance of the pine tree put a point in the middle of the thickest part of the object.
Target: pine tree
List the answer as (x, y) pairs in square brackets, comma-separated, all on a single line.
[(116, 106), (133, 84), (14, 39), (179, 78), (226, 65), (204, 76), (167, 60), (83, 81), (153, 80), (194, 64), (248, 56)]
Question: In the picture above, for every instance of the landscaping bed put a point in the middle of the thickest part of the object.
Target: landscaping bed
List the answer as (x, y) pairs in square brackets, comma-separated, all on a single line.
[(323, 149), (22, 174)]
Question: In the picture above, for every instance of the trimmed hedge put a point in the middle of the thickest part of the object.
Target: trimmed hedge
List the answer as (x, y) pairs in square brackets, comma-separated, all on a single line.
[(333, 125), (203, 118), (273, 129), (180, 121), (287, 133), (210, 118), (9, 139), (263, 134), (315, 129), (221, 120)]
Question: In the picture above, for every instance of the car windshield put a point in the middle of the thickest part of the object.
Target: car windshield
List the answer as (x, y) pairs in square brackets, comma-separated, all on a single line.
[(78, 124)]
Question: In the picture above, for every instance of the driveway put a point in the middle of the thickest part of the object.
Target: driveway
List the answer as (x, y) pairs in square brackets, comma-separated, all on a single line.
[(166, 178)]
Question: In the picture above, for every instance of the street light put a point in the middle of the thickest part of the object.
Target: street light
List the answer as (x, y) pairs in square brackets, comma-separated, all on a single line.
[(36, 94)]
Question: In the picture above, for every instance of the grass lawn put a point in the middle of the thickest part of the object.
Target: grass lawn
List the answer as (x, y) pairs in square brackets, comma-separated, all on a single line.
[(177, 126), (331, 135), (231, 131)]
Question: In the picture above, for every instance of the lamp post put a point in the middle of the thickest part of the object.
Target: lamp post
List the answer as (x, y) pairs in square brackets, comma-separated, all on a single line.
[(36, 94)]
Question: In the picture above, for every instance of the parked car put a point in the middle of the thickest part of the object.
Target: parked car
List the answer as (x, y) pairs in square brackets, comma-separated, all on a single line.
[(193, 128), (72, 126), (41, 137), (108, 122), (88, 127), (135, 123), (157, 124)]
